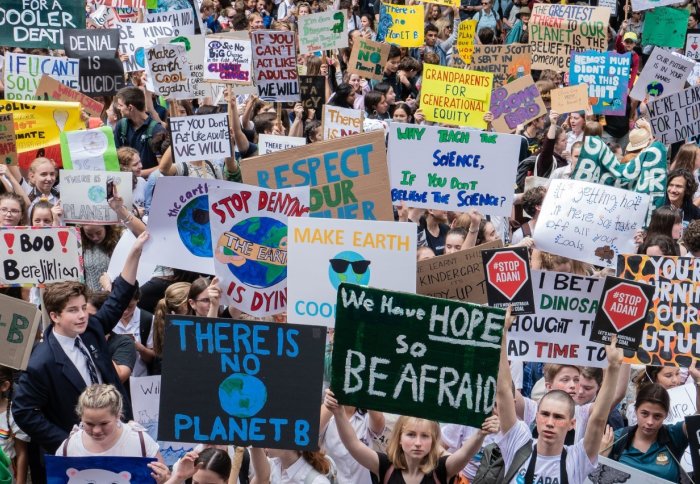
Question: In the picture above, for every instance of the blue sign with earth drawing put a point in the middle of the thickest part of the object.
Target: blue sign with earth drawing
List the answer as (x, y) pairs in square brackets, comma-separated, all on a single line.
[(263, 384), (102, 469)]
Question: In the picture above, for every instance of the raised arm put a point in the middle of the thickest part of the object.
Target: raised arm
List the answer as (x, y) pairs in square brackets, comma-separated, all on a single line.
[(132, 222), (546, 158), (165, 165), (261, 466), (504, 386), (235, 126), (471, 446)]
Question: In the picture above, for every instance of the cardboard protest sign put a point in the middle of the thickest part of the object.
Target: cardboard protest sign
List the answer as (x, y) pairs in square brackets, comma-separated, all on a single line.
[(269, 143), (325, 252), (664, 73), (19, 322), (570, 99), (508, 281), (203, 137), (38, 256), (313, 94), (8, 145), (465, 40), (692, 44), (556, 31), (401, 25), (50, 89), (228, 58), (670, 329), (252, 369), (559, 331), (607, 76), (348, 177), (674, 117), (168, 68), (194, 52), (134, 38), (90, 149), (589, 222), (101, 72), (368, 58), (455, 96), (506, 62), (518, 102), (665, 27), (383, 340), (452, 169), (459, 276), (322, 31), (182, 20), (275, 65), (39, 23), (68, 470), (22, 73), (340, 122), (250, 242), (84, 195), (609, 470)]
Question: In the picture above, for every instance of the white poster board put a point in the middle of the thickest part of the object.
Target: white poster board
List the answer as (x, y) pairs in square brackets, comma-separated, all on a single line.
[(22, 73), (203, 137), (610, 471), (194, 51), (663, 74), (135, 38), (228, 58), (84, 195), (182, 21), (269, 143), (341, 122), (169, 70), (640, 5)]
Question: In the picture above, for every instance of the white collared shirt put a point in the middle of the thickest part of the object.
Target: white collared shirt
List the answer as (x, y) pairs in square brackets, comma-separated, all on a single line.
[(133, 328), (76, 357), (294, 474)]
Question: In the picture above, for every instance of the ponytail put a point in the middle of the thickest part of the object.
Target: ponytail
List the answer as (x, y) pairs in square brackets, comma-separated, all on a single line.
[(317, 460)]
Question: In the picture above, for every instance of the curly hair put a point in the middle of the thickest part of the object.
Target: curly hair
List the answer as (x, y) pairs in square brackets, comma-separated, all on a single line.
[(691, 185), (691, 236), (532, 199)]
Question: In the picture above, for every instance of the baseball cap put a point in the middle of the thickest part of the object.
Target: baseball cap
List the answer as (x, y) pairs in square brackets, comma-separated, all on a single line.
[(630, 36)]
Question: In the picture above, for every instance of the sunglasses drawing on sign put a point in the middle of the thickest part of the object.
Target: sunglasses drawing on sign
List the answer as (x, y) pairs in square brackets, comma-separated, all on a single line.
[(349, 266)]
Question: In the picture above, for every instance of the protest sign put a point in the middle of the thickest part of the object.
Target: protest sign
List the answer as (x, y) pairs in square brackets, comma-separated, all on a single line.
[(39, 256), (22, 73), (465, 40), (368, 58), (401, 25), (8, 145), (325, 252), (570, 99), (447, 3), (665, 27), (559, 331), (182, 20), (458, 276), (506, 62), (664, 73), (383, 340), (101, 72), (203, 137), (19, 322), (322, 31), (249, 243), (275, 65), (194, 51), (313, 94), (70, 470), (611, 4), (623, 311), (556, 31), (168, 68), (641, 5), (50, 89), (252, 369), (669, 334), (609, 470), (675, 117), (340, 122), (607, 76), (134, 38), (90, 149), (102, 18), (84, 195), (692, 424), (692, 44), (452, 169), (228, 58), (515, 103), (348, 177), (269, 143), (121, 252), (39, 23), (589, 222), (682, 405), (455, 96), (508, 281)]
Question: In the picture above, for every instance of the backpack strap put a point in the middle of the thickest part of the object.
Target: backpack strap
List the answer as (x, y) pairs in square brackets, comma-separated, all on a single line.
[(388, 474), (530, 473), (211, 167), (65, 443), (145, 324), (520, 457), (121, 130), (142, 441), (152, 123)]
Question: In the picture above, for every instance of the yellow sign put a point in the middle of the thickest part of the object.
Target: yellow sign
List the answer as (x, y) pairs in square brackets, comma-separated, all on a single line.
[(38, 124), (457, 97), (402, 25), (465, 40), (448, 3)]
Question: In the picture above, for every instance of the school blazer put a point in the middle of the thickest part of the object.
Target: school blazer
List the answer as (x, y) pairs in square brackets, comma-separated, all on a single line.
[(44, 400)]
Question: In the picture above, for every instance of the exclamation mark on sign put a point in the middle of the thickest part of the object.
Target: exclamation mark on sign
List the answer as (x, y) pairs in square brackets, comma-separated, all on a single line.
[(9, 240), (63, 238)]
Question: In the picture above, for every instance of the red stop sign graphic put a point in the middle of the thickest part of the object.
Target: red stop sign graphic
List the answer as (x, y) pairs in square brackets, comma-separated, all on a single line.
[(624, 305), (507, 273)]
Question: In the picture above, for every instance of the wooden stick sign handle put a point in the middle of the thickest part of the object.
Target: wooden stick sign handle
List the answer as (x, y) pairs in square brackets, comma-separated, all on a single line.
[(236, 462), (627, 9)]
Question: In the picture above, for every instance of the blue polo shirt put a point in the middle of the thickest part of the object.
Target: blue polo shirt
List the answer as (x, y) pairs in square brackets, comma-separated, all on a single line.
[(658, 460)]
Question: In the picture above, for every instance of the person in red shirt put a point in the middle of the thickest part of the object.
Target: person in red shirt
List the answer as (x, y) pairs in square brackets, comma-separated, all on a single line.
[(626, 42)]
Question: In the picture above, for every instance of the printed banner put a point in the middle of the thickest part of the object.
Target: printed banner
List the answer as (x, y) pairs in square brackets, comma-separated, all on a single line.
[(182, 20), (505, 62), (249, 243), (40, 255), (8, 144), (323, 253), (270, 143), (84, 195), (465, 40), (518, 102), (675, 117), (508, 281), (692, 45), (607, 76), (664, 73), (135, 38), (40, 23), (559, 331), (253, 369), (275, 65), (121, 470), (203, 137), (452, 169), (401, 25), (341, 122), (169, 71), (383, 340), (101, 72), (368, 59), (19, 322), (589, 222), (556, 30), (570, 99), (50, 89), (91, 149), (348, 177), (322, 31), (228, 58), (22, 73), (665, 27), (38, 124)]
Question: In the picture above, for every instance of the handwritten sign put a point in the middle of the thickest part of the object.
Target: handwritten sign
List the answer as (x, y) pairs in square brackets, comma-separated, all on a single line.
[(39, 123), (39, 256), (313, 94), (673, 117), (91, 149), (325, 252), (452, 169), (323, 31), (50, 89), (101, 72), (227, 59), (589, 222), (663, 74), (102, 18), (181, 20), (246, 399), (68, 470), (692, 44), (39, 23), (169, 70), (506, 62), (465, 40), (84, 195), (275, 65), (368, 58), (384, 340), (8, 146), (19, 322), (518, 102), (270, 143), (570, 99), (204, 137), (194, 52), (22, 73), (665, 27), (401, 25), (340, 122), (607, 76), (135, 38)]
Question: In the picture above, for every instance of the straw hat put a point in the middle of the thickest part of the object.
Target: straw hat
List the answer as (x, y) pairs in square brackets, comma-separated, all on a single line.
[(523, 11), (640, 138)]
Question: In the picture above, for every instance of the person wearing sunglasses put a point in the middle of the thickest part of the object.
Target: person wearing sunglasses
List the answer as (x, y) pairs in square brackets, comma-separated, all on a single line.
[(487, 17)]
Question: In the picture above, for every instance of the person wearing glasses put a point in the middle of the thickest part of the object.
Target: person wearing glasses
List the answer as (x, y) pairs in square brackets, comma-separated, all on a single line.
[(13, 210), (487, 17)]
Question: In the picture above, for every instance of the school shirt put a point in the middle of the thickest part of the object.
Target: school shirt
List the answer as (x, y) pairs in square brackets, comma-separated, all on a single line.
[(581, 414), (76, 356), (657, 460), (454, 436), (128, 445), (133, 328), (578, 465), (6, 444), (294, 474), (396, 476), (349, 470)]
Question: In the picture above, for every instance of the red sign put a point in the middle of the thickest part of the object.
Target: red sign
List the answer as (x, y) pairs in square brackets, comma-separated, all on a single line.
[(624, 305), (507, 272)]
